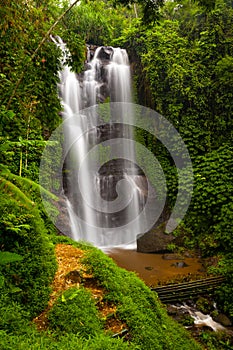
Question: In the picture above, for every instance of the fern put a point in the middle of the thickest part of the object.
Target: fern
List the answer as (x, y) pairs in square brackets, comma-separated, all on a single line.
[(14, 192), (25, 184), (30, 185), (7, 258), (26, 192)]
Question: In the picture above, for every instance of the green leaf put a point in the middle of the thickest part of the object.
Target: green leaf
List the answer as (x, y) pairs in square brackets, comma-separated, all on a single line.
[(7, 257), (74, 295), (14, 290)]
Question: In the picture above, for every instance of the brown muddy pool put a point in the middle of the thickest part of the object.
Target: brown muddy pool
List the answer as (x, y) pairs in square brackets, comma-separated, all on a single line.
[(155, 269)]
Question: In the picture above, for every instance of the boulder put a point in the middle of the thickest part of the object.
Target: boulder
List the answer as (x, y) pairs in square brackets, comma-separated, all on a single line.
[(223, 320), (105, 53), (154, 241), (173, 256), (180, 264), (172, 310)]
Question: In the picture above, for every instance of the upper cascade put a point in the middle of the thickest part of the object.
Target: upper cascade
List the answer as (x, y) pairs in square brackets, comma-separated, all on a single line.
[(107, 75)]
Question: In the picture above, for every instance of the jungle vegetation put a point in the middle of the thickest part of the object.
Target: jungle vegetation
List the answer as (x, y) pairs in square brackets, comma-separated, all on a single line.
[(181, 54)]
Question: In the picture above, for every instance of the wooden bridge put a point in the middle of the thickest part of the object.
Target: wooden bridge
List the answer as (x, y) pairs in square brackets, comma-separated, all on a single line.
[(172, 293), (183, 291)]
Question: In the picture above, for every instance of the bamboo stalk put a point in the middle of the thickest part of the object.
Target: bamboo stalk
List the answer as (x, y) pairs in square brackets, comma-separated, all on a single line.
[(21, 162), (121, 333), (135, 10)]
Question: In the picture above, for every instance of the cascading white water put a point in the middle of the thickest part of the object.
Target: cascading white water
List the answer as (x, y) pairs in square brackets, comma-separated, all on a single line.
[(119, 84), (71, 97), (119, 77), (69, 86), (91, 83), (201, 319), (107, 75)]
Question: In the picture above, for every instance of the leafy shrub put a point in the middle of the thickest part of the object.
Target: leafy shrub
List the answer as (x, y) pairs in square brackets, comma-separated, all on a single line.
[(225, 291), (23, 233), (107, 21), (210, 213), (216, 340), (7, 257)]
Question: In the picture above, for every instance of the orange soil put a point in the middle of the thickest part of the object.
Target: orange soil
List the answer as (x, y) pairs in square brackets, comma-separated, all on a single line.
[(68, 275)]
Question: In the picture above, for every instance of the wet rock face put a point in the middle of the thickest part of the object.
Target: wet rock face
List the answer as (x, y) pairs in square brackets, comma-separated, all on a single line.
[(62, 220), (155, 241), (173, 256), (109, 131), (104, 54)]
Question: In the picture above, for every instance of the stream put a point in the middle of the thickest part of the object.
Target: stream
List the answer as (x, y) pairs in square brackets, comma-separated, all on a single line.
[(159, 269), (200, 319)]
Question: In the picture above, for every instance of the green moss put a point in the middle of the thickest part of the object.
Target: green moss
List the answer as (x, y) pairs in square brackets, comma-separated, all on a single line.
[(139, 307), (13, 316), (75, 312), (32, 340)]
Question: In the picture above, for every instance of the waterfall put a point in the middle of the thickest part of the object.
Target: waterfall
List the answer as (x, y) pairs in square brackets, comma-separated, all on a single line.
[(92, 193)]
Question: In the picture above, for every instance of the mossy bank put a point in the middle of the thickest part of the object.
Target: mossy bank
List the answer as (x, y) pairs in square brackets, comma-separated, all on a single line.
[(92, 300)]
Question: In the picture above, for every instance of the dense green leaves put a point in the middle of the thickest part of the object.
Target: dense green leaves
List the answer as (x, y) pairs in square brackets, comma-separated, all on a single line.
[(23, 240), (28, 69), (150, 8), (97, 22), (211, 211), (183, 72), (207, 4)]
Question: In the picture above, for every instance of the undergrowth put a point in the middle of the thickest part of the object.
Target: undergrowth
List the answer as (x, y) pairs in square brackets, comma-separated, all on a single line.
[(74, 321)]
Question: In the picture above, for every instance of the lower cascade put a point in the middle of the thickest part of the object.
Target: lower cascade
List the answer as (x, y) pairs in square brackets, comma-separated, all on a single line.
[(104, 187), (200, 319)]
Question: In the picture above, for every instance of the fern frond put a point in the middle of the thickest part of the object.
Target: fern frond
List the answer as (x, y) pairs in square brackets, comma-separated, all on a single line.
[(15, 193), (28, 185)]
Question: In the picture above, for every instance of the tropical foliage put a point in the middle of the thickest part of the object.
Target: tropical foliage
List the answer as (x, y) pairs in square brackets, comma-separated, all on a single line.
[(182, 62), (183, 69)]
